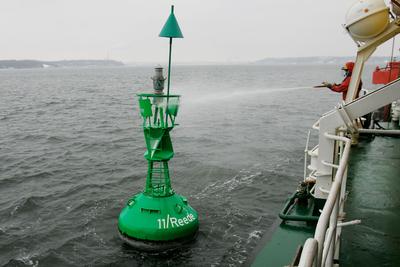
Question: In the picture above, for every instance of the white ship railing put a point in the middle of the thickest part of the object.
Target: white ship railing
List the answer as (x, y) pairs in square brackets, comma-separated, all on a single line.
[(320, 250), (326, 232)]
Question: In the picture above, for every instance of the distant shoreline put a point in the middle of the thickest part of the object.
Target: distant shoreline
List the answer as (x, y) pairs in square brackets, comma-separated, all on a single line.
[(39, 64), (318, 60), (288, 61)]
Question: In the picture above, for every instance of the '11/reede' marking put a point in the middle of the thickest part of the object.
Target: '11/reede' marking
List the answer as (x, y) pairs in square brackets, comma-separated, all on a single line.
[(174, 222)]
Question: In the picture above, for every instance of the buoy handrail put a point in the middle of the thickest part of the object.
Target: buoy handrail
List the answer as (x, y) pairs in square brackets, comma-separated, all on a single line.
[(157, 95), (158, 111)]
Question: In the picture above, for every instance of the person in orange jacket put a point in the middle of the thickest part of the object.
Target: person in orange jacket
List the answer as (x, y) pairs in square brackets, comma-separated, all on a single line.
[(344, 86)]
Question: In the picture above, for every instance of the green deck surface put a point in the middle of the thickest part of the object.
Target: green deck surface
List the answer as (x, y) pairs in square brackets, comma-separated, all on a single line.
[(374, 186), (374, 197), (280, 248)]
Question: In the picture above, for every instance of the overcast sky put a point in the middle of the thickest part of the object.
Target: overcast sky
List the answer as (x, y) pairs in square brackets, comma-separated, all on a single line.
[(214, 30)]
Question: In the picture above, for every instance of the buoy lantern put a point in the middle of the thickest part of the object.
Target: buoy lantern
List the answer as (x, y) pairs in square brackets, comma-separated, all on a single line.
[(158, 218)]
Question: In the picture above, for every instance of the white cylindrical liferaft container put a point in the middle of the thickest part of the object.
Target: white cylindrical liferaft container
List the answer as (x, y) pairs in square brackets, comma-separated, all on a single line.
[(367, 18)]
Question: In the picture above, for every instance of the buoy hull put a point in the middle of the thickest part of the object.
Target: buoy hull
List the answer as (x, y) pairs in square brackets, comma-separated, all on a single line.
[(156, 246), (153, 223)]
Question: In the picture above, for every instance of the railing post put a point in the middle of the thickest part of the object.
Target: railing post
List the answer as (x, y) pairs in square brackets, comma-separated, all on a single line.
[(334, 194), (333, 224)]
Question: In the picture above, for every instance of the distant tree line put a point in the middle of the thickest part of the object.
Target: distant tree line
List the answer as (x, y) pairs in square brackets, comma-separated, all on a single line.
[(32, 64)]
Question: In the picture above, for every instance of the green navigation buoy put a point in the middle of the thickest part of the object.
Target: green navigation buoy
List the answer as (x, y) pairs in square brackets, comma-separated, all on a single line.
[(158, 218)]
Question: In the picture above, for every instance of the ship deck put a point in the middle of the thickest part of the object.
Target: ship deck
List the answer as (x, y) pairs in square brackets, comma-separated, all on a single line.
[(281, 245), (374, 198)]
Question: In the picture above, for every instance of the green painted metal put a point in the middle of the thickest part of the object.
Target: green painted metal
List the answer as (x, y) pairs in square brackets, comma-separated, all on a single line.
[(169, 72), (171, 27), (374, 170), (293, 211), (151, 218), (170, 30), (299, 218), (158, 213), (281, 248), (374, 186), (145, 108)]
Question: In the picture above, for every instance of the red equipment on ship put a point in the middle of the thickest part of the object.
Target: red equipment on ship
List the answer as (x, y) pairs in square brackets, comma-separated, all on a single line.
[(387, 74), (383, 76)]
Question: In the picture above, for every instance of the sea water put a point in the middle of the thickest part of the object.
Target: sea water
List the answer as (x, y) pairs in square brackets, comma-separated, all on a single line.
[(71, 155)]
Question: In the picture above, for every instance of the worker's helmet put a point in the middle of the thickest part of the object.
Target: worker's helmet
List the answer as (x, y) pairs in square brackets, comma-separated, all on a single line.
[(348, 66)]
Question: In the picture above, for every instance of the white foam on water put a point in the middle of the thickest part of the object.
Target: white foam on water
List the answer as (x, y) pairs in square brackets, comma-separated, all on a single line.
[(243, 177), (256, 234), (26, 258)]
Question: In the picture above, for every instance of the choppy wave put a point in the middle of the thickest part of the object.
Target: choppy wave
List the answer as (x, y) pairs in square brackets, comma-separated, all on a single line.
[(71, 154)]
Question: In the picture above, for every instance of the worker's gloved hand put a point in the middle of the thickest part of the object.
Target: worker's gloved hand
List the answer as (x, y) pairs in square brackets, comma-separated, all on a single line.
[(329, 85)]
